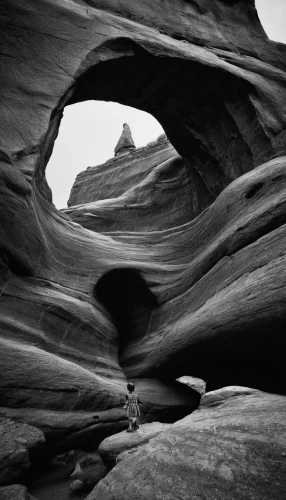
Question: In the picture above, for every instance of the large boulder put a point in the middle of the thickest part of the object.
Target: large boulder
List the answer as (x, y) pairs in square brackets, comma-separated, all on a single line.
[(16, 439), (233, 446)]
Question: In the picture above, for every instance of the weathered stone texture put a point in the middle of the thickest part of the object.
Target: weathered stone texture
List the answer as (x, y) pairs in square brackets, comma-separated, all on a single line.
[(148, 189), (195, 383), (209, 74), (233, 447), (125, 143), (111, 447)]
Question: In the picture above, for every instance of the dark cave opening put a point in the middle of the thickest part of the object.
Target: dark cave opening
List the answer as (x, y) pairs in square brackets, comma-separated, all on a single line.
[(242, 357), (128, 299)]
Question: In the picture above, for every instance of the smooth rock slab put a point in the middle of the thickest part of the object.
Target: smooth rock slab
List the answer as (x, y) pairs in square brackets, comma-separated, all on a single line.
[(219, 396), (15, 492), (15, 441), (195, 383), (235, 450), (114, 445)]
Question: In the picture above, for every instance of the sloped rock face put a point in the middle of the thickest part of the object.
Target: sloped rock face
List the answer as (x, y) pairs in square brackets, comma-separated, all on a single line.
[(233, 446), (147, 190), (215, 82)]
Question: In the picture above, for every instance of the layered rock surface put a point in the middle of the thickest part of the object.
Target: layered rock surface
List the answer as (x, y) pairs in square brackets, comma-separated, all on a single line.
[(233, 446), (148, 189), (125, 143), (216, 83), (232, 253), (77, 408)]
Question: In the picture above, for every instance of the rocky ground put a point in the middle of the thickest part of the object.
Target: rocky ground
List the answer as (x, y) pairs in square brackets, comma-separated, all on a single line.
[(233, 446)]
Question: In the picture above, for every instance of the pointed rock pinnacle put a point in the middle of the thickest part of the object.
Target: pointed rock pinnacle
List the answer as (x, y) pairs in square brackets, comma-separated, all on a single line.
[(125, 143)]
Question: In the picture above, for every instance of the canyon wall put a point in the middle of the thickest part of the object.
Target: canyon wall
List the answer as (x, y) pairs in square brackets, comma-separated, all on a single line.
[(214, 257)]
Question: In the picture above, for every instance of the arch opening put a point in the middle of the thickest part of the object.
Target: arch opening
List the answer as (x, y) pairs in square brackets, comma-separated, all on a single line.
[(87, 138), (202, 106), (127, 297)]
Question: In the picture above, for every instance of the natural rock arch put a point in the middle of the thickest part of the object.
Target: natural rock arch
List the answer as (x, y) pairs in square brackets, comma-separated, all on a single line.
[(221, 273), (213, 116)]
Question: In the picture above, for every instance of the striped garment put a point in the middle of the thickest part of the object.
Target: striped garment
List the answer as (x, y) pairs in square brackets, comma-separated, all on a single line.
[(133, 409)]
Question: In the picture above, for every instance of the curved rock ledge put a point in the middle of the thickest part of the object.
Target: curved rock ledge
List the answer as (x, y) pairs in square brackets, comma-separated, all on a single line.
[(113, 446)]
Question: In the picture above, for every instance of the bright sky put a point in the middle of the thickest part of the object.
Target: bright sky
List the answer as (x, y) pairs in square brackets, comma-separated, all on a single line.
[(90, 130)]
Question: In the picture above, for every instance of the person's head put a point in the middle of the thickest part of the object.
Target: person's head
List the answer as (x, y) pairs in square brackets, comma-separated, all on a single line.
[(130, 387)]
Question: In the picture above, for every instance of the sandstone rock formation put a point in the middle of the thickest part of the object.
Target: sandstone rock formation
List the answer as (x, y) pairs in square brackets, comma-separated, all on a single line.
[(235, 244), (195, 383), (111, 447), (231, 447), (207, 71), (80, 410), (125, 143), (149, 189), (15, 441)]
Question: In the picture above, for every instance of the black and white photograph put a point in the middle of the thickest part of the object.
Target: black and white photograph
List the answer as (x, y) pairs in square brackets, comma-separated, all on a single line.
[(142, 249)]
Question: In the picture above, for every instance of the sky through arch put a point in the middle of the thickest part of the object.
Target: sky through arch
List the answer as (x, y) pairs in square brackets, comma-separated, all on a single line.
[(90, 130)]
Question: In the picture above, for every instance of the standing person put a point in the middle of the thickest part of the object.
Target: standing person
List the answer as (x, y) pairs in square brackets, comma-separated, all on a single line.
[(132, 407)]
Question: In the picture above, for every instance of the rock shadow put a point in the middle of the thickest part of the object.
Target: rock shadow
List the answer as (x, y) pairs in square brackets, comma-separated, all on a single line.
[(130, 302)]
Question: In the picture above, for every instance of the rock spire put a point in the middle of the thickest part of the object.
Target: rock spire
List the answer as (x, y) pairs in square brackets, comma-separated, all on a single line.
[(125, 142)]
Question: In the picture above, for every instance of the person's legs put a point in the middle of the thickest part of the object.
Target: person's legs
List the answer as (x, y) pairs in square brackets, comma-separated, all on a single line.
[(135, 424), (130, 426)]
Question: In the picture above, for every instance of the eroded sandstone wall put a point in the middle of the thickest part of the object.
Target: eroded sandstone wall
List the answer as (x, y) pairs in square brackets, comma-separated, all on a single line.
[(149, 189), (209, 74)]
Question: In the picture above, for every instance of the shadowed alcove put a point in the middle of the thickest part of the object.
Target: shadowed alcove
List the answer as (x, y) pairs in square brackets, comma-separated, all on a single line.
[(129, 300)]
